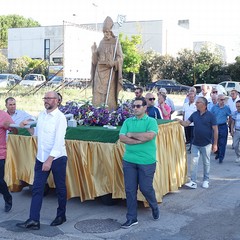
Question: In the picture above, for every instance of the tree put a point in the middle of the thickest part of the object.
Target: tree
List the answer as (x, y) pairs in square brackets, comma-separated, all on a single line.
[(3, 63), (13, 21), (25, 64), (234, 70), (207, 61), (149, 67), (131, 53), (185, 67)]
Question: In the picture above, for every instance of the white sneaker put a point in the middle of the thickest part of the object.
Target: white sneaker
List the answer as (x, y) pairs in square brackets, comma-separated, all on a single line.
[(237, 160), (191, 184), (205, 184)]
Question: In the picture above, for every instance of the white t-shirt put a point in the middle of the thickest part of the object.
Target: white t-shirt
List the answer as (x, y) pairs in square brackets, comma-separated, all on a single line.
[(188, 109)]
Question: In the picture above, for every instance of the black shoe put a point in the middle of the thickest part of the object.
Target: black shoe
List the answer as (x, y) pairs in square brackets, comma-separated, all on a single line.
[(8, 205), (34, 225), (129, 223), (220, 161), (155, 214), (216, 157), (58, 221)]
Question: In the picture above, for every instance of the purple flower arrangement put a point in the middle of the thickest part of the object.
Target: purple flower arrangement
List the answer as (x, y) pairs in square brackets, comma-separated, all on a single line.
[(88, 115)]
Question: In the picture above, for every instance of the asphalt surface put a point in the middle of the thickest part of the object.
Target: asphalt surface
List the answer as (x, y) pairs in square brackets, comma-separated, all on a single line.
[(188, 214)]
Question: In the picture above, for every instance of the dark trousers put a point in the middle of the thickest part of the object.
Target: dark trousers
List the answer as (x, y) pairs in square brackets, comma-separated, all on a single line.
[(189, 134), (40, 178), (3, 186), (142, 175), (222, 140)]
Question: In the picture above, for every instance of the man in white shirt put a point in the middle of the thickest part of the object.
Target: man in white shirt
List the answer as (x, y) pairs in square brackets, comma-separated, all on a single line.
[(51, 156), (17, 115), (234, 97), (188, 109), (205, 92), (232, 100)]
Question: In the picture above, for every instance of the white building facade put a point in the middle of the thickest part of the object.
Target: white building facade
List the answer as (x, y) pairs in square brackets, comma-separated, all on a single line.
[(70, 44)]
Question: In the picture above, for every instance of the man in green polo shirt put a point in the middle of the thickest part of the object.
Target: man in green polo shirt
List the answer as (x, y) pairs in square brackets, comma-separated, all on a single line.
[(139, 160)]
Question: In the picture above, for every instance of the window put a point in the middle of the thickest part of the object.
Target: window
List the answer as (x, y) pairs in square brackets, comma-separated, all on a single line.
[(57, 60), (47, 49), (231, 85)]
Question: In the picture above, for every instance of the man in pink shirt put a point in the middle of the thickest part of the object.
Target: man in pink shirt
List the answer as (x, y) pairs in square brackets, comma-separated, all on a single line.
[(5, 121)]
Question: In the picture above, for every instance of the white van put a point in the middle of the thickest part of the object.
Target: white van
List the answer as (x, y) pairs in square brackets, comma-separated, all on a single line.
[(33, 80), (230, 85)]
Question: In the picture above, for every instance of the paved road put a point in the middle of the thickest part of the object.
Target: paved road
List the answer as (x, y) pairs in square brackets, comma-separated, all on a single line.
[(187, 214)]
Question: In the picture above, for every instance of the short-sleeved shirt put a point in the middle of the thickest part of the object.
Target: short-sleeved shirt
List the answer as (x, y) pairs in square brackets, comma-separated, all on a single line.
[(20, 116), (143, 153), (4, 117), (221, 113), (232, 104), (188, 109), (153, 112), (236, 118), (203, 132), (168, 109)]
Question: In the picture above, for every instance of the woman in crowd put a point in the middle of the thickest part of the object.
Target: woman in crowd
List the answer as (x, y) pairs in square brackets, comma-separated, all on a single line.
[(164, 108)]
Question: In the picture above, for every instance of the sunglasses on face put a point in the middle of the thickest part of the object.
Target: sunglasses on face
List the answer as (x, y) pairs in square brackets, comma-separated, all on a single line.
[(151, 99), (214, 92), (136, 106)]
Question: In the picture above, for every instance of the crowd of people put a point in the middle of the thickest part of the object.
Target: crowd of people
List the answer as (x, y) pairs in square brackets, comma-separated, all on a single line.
[(207, 119)]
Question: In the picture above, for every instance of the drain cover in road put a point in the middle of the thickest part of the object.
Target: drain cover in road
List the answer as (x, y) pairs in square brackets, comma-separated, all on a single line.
[(97, 225)]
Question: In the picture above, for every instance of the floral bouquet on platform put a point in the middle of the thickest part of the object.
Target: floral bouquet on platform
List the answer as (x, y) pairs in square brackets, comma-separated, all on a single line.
[(86, 114)]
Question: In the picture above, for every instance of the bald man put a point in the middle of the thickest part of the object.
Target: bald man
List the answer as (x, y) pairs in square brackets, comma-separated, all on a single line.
[(51, 156)]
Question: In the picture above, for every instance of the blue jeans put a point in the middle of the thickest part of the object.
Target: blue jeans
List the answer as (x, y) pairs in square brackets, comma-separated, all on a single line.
[(3, 186), (40, 178), (142, 175), (205, 153)]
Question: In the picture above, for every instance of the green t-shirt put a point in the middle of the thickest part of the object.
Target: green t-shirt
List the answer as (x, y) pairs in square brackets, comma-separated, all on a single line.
[(143, 153)]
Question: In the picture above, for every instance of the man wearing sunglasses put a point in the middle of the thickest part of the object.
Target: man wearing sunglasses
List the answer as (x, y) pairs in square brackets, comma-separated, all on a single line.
[(139, 92), (139, 160), (152, 111)]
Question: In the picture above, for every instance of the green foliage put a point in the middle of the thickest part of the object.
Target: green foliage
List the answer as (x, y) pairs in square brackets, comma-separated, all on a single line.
[(131, 53), (234, 70), (3, 63), (149, 67), (25, 64), (13, 21), (187, 68)]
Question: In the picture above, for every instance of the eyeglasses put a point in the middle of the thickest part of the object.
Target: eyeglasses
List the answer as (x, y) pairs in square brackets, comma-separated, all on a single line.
[(48, 98), (136, 106), (222, 99), (215, 92), (137, 92), (151, 99)]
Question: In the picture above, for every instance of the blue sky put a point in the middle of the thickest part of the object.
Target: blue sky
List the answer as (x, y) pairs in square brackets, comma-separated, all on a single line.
[(212, 20)]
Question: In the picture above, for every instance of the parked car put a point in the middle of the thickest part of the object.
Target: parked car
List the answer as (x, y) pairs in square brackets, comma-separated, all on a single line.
[(8, 79), (128, 86), (230, 85), (55, 81), (73, 82), (33, 80), (220, 89), (169, 85)]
